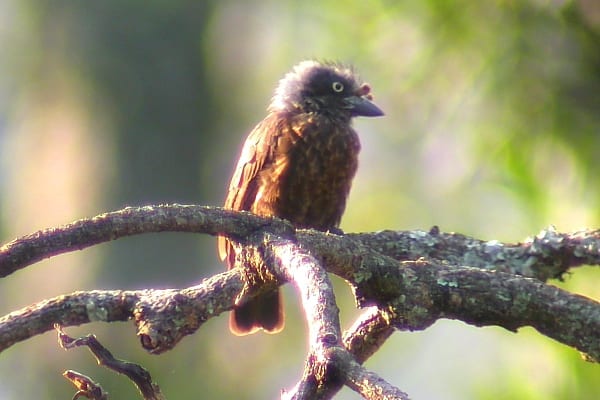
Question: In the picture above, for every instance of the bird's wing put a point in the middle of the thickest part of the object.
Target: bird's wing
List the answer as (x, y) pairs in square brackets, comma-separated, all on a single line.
[(258, 151)]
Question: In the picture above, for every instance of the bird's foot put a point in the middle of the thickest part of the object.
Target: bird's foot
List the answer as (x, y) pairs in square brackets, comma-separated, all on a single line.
[(335, 231)]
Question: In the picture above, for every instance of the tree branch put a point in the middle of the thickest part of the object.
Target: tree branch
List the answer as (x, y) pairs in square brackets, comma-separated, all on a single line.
[(558, 250), (547, 255), (137, 374), (328, 360), (131, 221), (420, 292), (163, 317), (412, 278)]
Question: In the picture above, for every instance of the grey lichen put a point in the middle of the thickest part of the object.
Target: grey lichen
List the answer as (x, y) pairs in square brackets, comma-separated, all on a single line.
[(95, 313), (447, 283)]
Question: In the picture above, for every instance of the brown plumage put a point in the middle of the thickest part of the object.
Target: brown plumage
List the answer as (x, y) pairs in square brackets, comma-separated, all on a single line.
[(298, 164)]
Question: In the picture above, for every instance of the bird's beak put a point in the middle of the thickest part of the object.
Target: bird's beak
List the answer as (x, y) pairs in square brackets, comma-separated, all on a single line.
[(362, 106)]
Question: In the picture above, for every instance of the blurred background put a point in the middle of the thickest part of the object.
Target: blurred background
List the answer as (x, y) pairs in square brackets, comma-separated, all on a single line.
[(492, 129)]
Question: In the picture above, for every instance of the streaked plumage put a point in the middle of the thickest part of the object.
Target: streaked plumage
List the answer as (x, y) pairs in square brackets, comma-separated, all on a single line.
[(298, 164)]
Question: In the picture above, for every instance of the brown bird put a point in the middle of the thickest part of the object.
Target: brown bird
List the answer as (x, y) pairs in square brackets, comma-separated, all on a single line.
[(298, 164)]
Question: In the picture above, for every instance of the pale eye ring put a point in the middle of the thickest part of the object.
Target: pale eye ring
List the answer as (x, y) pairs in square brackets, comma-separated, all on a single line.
[(337, 87)]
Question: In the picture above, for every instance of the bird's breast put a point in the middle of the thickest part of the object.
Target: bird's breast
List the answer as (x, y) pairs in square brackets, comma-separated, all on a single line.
[(311, 174)]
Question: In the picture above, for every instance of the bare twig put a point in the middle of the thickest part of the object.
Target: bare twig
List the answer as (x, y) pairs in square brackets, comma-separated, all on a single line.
[(138, 375), (85, 386)]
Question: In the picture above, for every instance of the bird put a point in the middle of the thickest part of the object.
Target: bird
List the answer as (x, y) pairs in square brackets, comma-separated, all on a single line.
[(298, 164)]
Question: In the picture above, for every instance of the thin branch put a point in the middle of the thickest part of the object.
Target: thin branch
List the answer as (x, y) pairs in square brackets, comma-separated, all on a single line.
[(85, 386), (138, 375), (368, 333), (368, 384)]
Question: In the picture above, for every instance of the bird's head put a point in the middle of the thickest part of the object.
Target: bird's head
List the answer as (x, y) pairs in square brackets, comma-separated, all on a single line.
[(324, 88)]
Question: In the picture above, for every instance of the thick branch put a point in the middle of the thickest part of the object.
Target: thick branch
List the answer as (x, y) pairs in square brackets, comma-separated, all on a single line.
[(320, 308), (548, 255), (421, 292), (482, 298), (130, 221), (328, 360)]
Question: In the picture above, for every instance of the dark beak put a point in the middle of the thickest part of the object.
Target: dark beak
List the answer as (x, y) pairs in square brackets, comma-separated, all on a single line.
[(363, 107)]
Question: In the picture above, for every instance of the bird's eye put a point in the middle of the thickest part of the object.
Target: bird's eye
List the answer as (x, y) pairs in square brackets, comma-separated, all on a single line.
[(337, 87)]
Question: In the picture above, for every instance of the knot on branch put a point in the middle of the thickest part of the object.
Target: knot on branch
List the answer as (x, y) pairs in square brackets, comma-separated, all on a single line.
[(549, 254), (162, 321)]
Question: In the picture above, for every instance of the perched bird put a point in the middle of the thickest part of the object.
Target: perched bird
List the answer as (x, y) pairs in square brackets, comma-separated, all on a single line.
[(298, 164)]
